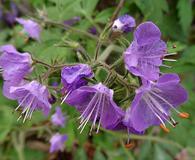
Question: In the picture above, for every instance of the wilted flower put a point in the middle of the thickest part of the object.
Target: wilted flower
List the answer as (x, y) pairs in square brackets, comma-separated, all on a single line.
[(32, 28), (145, 54), (72, 77), (153, 103), (57, 142), (14, 65), (124, 23), (31, 96), (58, 118), (95, 103)]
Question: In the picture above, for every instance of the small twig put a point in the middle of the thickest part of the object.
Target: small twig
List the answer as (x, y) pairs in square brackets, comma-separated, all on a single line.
[(42, 63), (117, 10), (71, 29)]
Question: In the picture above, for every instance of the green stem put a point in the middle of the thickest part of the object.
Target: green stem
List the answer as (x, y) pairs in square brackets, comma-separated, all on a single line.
[(42, 63), (119, 78), (18, 143), (71, 29), (129, 155), (117, 63), (143, 137)]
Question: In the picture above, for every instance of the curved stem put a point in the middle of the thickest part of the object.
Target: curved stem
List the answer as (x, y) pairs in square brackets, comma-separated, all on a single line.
[(62, 25)]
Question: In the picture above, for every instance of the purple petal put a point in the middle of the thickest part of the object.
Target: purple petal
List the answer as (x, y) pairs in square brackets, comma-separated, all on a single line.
[(72, 76), (139, 116), (31, 28), (57, 142), (146, 33)]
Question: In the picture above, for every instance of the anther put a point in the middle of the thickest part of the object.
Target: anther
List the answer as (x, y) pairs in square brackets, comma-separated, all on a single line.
[(130, 145), (164, 128), (184, 115)]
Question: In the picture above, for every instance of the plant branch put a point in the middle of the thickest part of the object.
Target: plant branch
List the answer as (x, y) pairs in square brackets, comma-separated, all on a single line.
[(117, 10)]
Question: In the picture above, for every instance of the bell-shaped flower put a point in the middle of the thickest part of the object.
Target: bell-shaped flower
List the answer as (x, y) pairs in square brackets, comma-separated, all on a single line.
[(31, 96), (72, 77), (153, 103), (146, 52), (95, 103), (14, 65)]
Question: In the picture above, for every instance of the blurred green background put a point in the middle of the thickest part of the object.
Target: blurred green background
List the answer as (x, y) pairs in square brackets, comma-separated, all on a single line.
[(30, 141)]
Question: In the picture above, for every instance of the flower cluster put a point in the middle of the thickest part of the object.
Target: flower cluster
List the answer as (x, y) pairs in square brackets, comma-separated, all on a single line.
[(158, 94), (15, 66)]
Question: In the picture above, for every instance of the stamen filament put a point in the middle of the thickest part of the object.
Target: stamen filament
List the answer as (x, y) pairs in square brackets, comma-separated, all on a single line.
[(96, 115), (22, 102), (170, 54), (163, 65), (166, 102), (83, 124), (103, 102), (157, 107), (152, 109), (169, 60), (88, 107), (65, 97)]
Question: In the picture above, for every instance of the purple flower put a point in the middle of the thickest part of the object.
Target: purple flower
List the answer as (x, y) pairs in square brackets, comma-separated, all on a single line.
[(57, 142), (14, 65), (72, 21), (95, 103), (6, 88), (72, 77), (124, 23), (31, 96), (32, 28), (153, 102), (58, 118), (145, 54)]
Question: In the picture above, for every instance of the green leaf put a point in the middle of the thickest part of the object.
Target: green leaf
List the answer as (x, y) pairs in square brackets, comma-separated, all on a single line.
[(89, 5), (6, 119), (185, 14), (160, 154), (103, 16), (152, 9), (175, 46)]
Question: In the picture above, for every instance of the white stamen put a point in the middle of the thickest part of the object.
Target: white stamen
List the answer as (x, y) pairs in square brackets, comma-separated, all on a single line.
[(170, 54), (103, 102), (22, 102), (165, 102), (83, 124), (96, 115), (152, 109), (157, 107), (65, 97), (163, 65), (169, 60), (157, 104), (88, 107), (27, 110)]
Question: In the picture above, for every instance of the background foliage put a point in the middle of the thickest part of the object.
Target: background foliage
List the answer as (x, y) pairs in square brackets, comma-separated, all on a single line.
[(176, 19)]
